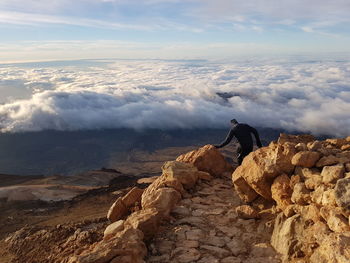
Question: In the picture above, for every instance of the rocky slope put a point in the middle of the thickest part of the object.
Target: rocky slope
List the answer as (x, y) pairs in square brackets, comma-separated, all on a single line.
[(290, 203)]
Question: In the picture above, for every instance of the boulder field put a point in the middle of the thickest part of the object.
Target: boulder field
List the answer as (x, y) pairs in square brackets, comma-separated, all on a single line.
[(287, 202)]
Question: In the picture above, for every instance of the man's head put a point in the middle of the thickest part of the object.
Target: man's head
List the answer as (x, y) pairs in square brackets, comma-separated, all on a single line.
[(234, 121)]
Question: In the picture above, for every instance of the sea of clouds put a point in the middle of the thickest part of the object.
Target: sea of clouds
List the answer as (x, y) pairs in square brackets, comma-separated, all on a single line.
[(307, 96)]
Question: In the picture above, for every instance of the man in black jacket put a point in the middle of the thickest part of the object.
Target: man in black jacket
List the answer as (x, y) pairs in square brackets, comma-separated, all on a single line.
[(243, 134)]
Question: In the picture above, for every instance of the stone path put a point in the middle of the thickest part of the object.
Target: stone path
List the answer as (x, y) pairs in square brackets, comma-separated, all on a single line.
[(205, 228)]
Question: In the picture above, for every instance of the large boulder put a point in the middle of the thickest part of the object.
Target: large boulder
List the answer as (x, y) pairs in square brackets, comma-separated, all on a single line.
[(261, 167), (117, 211), (207, 159), (331, 174), (305, 158), (163, 199)]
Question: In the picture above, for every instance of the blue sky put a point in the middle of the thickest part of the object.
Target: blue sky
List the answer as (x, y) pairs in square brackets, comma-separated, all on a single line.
[(66, 29)]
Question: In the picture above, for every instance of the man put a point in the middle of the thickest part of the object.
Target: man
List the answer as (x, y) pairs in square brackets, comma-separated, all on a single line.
[(243, 134)]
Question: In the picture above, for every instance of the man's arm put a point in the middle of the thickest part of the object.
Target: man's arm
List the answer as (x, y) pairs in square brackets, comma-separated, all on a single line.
[(257, 138), (227, 140)]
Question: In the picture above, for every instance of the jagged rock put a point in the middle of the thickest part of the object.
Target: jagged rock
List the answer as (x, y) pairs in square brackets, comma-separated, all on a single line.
[(305, 159), (327, 160), (333, 248), (147, 180), (260, 168), (246, 212), (132, 197), (314, 146), (335, 219), (244, 191), (281, 191), (237, 247), (126, 244), (207, 159), (330, 174), (309, 212), (328, 198), (301, 195), (285, 236), (185, 173), (163, 199), (301, 147), (317, 195), (117, 211), (313, 182), (145, 220), (305, 138), (112, 229), (336, 142), (342, 193)]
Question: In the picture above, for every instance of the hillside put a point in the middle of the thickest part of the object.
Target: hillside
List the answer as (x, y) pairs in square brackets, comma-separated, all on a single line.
[(287, 202)]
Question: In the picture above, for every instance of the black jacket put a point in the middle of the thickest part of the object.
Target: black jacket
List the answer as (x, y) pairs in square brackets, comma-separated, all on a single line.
[(243, 134)]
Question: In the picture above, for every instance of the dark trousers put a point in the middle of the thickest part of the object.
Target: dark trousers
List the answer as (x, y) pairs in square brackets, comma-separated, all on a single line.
[(243, 151)]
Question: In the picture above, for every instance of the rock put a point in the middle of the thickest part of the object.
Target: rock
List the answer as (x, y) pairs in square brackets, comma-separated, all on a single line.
[(186, 255), (347, 167), (231, 260), (214, 241), (328, 198), (244, 191), (301, 147), (342, 193), (285, 236), (262, 250), (147, 180), (294, 179), (117, 211), (185, 173), (237, 247), (205, 176), (216, 251), (330, 174), (317, 195), (163, 199), (125, 245), (327, 160), (132, 197), (305, 138), (207, 159), (189, 243), (145, 220), (246, 212), (305, 159), (208, 259), (309, 212), (335, 220), (260, 168), (231, 231), (333, 248), (306, 173), (314, 146), (181, 210), (336, 142), (313, 182), (113, 228), (281, 191), (345, 147), (301, 195), (195, 234)]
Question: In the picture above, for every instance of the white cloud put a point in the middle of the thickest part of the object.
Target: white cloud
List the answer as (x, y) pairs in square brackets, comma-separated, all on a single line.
[(311, 97)]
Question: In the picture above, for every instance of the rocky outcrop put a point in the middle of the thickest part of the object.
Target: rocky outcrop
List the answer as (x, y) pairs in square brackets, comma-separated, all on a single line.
[(136, 216), (310, 186), (207, 159)]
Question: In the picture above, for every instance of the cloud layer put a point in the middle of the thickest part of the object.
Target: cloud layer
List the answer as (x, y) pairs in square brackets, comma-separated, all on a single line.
[(307, 96)]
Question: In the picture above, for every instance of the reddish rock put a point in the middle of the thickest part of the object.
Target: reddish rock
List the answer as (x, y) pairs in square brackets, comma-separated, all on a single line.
[(207, 159), (281, 191), (305, 158)]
